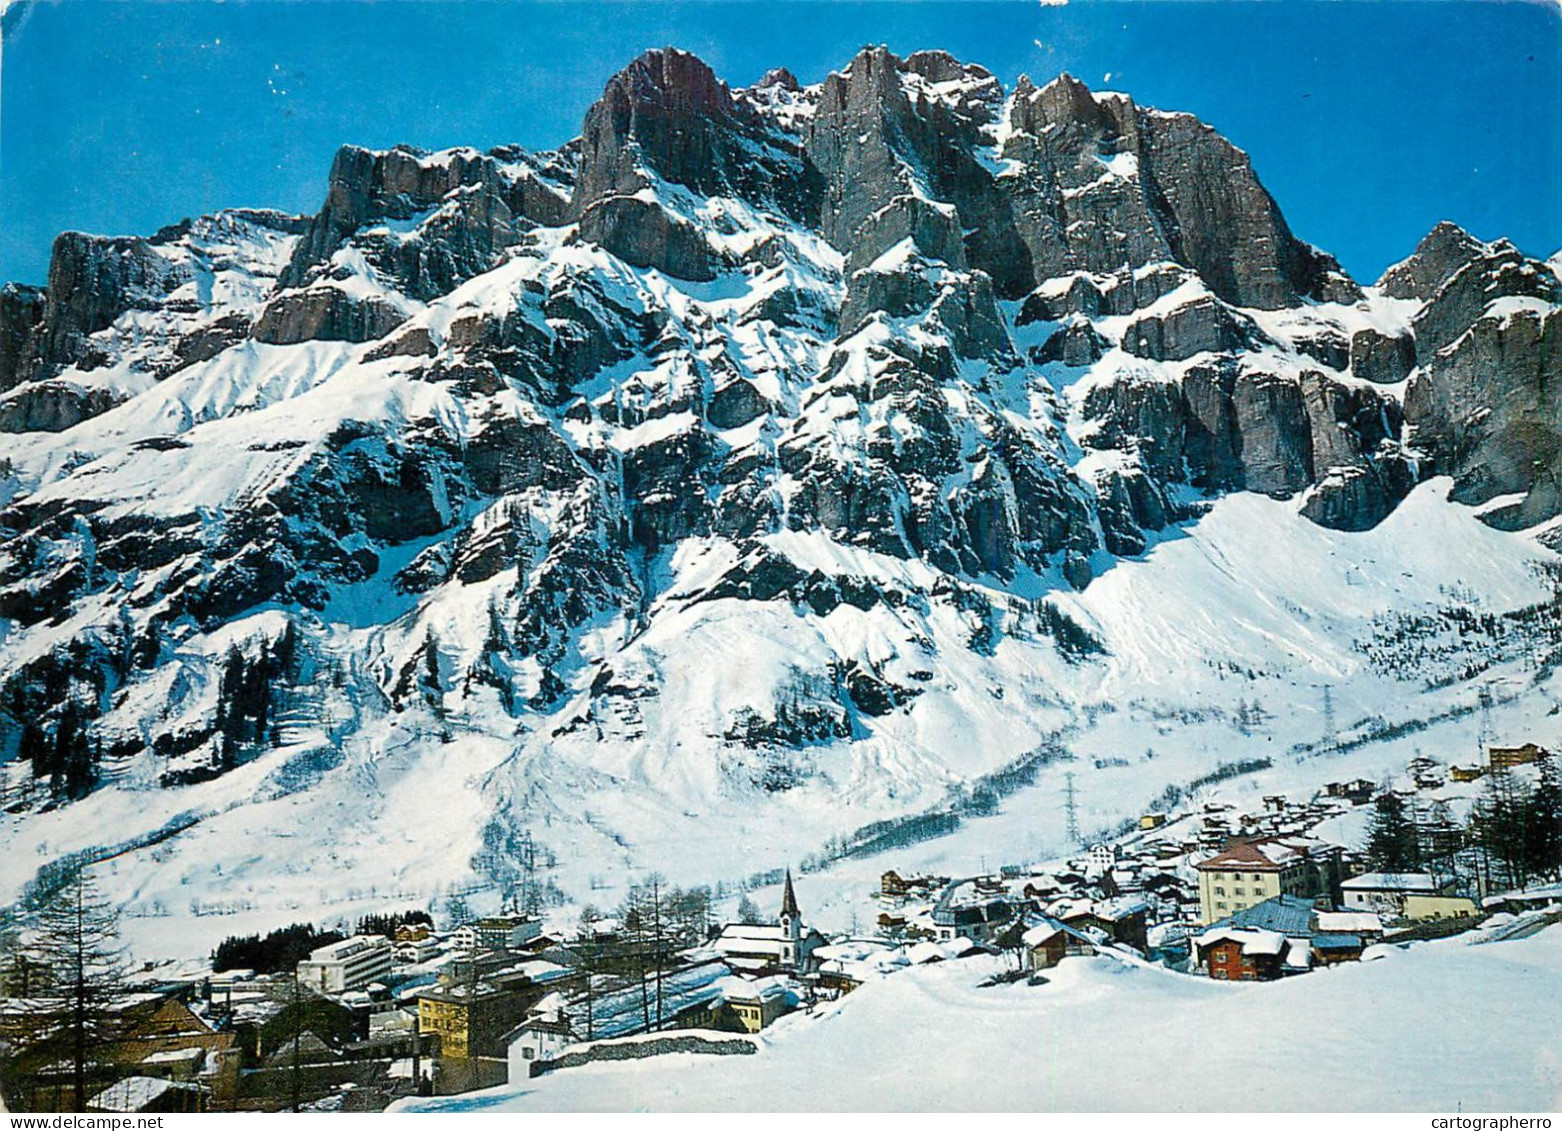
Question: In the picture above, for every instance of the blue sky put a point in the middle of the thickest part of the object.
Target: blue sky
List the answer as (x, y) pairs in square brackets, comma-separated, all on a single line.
[(1369, 122)]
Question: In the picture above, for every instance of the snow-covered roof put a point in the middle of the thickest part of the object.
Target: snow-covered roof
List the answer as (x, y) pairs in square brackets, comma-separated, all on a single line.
[(1259, 854), (1122, 907), (1252, 940), (134, 1093), (1392, 882), (1042, 933), (1350, 922), (742, 938)]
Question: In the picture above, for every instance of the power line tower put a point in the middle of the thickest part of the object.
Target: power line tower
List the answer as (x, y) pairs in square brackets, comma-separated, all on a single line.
[(1484, 739), (1070, 809)]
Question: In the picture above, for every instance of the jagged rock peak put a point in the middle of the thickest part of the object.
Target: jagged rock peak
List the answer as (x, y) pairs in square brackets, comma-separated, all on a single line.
[(1060, 102), (666, 115), (658, 111), (1441, 252), (778, 78)]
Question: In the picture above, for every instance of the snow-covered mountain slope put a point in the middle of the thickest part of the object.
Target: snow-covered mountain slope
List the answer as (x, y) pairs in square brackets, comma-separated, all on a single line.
[(761, 465)]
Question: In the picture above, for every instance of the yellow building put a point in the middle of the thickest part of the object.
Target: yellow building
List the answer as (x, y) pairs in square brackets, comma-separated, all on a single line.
[(1247, 872), (1439, 907), (1506, 757), (470, 1021), (754, 1005)]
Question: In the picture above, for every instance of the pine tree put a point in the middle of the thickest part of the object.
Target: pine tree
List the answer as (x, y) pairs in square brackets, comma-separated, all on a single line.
[(77, 934), (748, 912), (1391, 836), (1543, 828), (1500, 825)]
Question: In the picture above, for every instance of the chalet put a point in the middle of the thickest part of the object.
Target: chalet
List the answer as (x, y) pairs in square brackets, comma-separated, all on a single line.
[(1367, 925), (979, 922), (1120, 920), (1329, 949), (1046, 941), (1243, 954), (1357, 792), (749, 1006), (543, 1035), (1385, 892), (1507, 757), (1040, 888), (411, 952), (845, 965), (892, 885), (1466, 773), (1152, 820)]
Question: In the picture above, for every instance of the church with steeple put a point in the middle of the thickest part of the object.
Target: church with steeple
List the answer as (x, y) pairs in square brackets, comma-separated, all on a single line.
[(785, 947)]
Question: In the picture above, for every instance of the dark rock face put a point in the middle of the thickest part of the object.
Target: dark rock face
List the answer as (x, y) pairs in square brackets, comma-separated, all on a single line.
[(326, 313), (1205, 325), (735, 404), (1106, 183), (1383, 359), (92, 281), (1487, 410), (1499, 272), (644, 234), (668, 115), (480, 207), (21, 310), (1230, 230), (52, 406), (1075, 343)]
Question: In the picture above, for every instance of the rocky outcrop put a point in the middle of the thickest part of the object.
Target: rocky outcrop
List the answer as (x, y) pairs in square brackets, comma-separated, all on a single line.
[(464, 208), (1103, 182), (21, 310), (1498, 272), (1204, 325), (325, 312), (52, 406), (92, 281), (1486, 409), (644, 234), (1384, 359)]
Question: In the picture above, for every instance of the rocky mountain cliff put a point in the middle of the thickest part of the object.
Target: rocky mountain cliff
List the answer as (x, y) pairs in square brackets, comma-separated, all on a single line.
[(694, 453)]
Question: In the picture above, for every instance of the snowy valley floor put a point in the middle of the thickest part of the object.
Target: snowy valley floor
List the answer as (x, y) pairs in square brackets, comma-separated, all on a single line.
[(1439, 1027)]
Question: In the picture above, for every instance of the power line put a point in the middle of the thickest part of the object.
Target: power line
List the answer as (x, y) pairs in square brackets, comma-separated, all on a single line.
[(1070, 809)]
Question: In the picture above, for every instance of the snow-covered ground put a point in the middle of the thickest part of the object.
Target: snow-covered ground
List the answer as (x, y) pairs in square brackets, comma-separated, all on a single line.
[(1441, 1026)]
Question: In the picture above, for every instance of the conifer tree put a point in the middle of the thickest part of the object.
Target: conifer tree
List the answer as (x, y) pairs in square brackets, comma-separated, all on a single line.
[(77, 935)]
